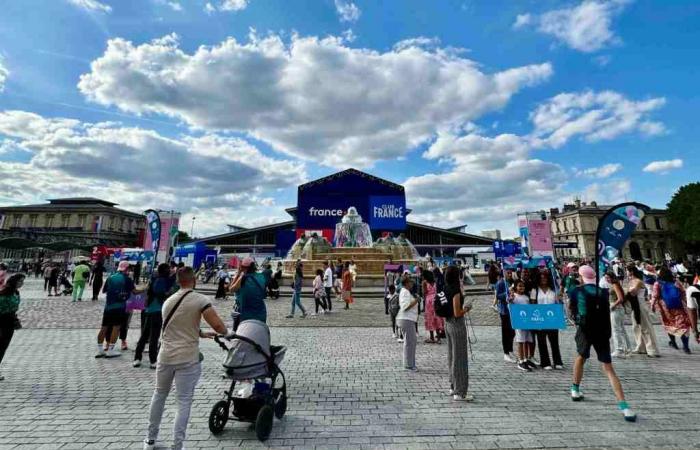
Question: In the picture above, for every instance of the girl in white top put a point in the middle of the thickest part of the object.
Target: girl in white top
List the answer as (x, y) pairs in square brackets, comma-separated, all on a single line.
[(318, 292), (406, 319), (523, 337), (544, 294)]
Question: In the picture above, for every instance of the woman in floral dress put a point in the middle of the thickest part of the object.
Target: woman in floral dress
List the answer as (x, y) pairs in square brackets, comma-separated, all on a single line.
[(434, 324), (672, 310)]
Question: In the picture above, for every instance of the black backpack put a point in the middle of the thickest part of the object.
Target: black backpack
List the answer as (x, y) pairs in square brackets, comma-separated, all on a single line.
[(443, 304)]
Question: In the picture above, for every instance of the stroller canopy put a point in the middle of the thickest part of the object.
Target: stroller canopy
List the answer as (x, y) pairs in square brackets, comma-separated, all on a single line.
[(243, 358)]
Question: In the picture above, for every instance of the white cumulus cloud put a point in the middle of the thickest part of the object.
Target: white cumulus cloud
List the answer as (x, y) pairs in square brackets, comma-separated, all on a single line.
[(594, 116), (347, 11), (134, 165), (91, 5), (603, 171), (586, 27), (3, 75), (233, 5), (313, 98), (663, 166)]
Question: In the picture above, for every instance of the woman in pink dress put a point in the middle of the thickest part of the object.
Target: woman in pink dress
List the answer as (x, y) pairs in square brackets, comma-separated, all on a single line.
[(434, 324), (668, 298)]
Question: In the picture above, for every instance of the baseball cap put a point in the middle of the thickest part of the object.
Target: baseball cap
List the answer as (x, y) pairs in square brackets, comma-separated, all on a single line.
[(587, 274), (247, 261), (123, 266)]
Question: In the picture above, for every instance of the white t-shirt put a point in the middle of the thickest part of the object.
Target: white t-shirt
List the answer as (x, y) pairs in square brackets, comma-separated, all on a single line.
[(328, 278), (519, 299), (544, 298), (691, 301), (405, 299), (179, 342)]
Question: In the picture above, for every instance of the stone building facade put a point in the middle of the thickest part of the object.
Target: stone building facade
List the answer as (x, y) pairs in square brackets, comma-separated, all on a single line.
[(578, 222), (81, 222)]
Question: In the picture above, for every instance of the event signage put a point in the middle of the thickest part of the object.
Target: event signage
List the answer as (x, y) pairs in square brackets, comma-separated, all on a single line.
[(505, 249), (614, 229), (524, 236), (153, 222), (381, 212), (540, 233), (537, 317)]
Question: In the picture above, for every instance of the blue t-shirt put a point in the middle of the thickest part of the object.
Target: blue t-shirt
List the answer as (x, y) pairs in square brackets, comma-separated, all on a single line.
[(502, 287), (250, 297), (158, 292), (118, 289)]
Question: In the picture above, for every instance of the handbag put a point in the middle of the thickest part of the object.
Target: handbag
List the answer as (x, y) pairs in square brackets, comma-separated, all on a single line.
[(136, 302)]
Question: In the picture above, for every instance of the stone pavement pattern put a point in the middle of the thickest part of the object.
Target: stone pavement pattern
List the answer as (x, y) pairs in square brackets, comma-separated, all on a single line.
[(347, 390)]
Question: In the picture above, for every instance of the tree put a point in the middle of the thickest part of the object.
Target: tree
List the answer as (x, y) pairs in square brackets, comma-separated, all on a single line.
[(684, 213), (183, 237)]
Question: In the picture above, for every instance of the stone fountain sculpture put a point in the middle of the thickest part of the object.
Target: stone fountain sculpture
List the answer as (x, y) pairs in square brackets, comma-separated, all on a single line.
[(352, 231), (314, 245)]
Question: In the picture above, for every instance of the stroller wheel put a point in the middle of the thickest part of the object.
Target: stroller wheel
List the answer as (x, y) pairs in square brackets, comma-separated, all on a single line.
[(263, 423), (218, 417), (281, 405)]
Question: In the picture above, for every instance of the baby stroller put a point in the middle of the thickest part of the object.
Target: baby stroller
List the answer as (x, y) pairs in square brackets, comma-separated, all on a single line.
[(65, 283), (258, 387)]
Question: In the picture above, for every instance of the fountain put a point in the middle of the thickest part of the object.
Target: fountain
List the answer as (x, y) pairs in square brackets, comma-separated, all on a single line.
[(353, 241)]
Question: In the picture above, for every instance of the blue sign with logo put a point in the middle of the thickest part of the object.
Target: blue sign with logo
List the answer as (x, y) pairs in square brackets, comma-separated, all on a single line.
[(387, 212), (319, 212), (537, 317), (504, 249)]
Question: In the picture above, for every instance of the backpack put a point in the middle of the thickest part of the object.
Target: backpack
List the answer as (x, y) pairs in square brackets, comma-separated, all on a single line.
[(394, 304), (597, 319), (443, 304), (671, 295)]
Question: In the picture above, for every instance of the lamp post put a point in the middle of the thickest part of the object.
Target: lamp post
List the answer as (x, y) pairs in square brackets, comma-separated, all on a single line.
[(192, 227)]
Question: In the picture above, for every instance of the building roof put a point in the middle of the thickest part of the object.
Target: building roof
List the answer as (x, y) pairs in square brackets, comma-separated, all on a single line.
[(350, 173), (72, 204)]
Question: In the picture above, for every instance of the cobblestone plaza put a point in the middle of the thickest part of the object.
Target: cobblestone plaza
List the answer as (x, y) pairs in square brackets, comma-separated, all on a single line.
[(347, 390)]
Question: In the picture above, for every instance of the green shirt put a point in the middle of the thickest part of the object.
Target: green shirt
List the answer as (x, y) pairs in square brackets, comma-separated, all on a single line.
[(79, 274), (9, 304)]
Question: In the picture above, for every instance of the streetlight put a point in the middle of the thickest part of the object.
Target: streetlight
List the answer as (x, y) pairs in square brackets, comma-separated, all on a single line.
[(192, 227)]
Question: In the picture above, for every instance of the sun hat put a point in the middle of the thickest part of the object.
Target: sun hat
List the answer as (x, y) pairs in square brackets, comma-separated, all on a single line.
[(587, 274)]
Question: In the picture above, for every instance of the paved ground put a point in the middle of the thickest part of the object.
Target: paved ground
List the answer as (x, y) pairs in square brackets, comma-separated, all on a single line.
[(347, 391)]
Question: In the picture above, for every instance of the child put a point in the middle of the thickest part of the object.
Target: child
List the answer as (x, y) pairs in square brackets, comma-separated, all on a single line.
[(523, 337), (318, 292), (392, 303)]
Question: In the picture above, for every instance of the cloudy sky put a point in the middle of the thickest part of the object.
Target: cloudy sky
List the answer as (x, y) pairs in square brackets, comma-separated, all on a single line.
[(221, 108)]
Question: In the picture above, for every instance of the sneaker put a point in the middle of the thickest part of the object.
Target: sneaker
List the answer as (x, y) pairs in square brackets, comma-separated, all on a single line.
[(452, 392), (2, 378), (655, 355), (136, 363), (495, 308), (687, 351), (289, 316), (629, 415), (303, 315), (313, 314), (463, 398), (547, 367), (323, 311), (153, 366), (558, 367), (531, 364), (513, 357), (113, 353), (524, 367), (399, 340), (508, 358), (618, 354), (149, 444), (673, 344), (412, 369), (101, 353), (535, 361), (576, 396), (393, 335)]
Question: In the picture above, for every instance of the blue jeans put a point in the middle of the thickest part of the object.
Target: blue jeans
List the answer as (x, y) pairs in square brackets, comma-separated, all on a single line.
[(296, 301)]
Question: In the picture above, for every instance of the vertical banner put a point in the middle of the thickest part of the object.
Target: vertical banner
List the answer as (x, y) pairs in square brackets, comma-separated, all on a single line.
[(153, 222), (524, 235), (614, 229), (540, 236)]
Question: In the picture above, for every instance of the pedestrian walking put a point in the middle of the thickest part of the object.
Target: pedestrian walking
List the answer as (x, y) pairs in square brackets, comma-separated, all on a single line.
[(179, 359), (296, 291), (406, 319), (97, 279), (157, 293), (590, 307), (667, 297), (118, 289), (457, 339), (618, 307), (391, 305), (434, 324), (47, 276), (328, 285), (502, 294), (222, 280), (250, 287), (9, 304), (347, 285), (644, 334), (53, 279), (544, 294), (319, 292), (81, 275)]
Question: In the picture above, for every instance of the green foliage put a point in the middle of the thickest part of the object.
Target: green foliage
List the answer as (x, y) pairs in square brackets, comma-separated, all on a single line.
[(183, 237), (684, 213)]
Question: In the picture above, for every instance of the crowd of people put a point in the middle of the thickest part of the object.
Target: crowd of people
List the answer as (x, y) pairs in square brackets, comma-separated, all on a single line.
[(597, 305)]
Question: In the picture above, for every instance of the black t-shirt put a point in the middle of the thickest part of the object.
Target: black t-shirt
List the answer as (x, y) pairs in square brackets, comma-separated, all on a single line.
[(450, 292)]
